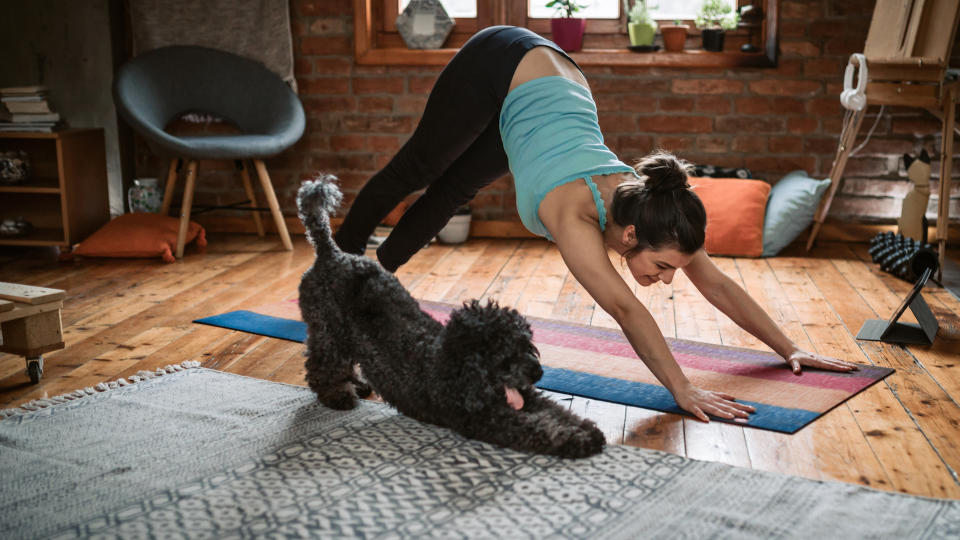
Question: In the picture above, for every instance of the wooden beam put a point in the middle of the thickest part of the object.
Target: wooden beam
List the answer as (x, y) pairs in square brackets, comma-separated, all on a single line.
[(27, 294)]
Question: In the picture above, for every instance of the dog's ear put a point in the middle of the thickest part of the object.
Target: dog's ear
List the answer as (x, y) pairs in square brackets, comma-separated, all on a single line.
[(475, 386), (468, 357)]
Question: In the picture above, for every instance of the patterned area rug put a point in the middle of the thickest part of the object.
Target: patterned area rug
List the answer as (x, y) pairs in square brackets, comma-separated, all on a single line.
[(599, 363), (201, 453)]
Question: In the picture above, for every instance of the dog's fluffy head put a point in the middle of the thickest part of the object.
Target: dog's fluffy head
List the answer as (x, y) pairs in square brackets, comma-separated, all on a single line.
[(491, 346)]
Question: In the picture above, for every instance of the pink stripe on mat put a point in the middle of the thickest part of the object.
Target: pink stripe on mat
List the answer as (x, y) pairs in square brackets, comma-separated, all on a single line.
[(775, 371)]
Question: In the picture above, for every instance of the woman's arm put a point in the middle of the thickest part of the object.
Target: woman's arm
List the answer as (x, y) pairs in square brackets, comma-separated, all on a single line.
[(732, 300), (582, 248)]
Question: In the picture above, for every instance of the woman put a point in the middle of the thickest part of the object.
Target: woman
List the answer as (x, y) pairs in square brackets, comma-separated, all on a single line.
[(512, 101)]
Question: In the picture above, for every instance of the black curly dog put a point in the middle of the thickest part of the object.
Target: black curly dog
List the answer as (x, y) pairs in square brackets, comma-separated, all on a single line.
[(455, 376)]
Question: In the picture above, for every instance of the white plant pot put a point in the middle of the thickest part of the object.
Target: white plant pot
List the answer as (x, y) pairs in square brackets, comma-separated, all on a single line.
[(456, 230)]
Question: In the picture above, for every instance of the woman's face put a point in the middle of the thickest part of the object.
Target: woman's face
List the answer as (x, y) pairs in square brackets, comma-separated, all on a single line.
[(650, 266)]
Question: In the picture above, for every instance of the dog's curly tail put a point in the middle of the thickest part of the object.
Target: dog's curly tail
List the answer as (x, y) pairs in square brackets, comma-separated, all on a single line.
[(316, 200)]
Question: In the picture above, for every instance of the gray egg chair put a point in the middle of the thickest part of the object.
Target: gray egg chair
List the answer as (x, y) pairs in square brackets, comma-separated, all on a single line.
[(158, 86)]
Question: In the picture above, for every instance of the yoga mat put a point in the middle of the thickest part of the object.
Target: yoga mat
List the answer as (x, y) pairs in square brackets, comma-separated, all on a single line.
[(599, 363)]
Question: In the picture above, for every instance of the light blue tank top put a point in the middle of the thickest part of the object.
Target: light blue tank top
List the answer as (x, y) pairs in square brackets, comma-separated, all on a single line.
[(551, 136)]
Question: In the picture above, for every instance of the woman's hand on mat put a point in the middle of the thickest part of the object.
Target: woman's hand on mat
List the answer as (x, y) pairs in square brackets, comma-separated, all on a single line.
[(803, 358), (702, 402)]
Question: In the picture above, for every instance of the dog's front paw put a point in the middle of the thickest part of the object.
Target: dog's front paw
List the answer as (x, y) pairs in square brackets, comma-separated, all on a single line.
[(342, 399), (587, 440)]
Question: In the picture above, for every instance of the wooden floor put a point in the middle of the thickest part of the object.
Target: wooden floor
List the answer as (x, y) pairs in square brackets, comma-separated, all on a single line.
[(122, 316)]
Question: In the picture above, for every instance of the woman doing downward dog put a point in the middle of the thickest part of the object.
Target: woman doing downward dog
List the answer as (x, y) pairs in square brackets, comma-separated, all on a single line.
[(512, 101)]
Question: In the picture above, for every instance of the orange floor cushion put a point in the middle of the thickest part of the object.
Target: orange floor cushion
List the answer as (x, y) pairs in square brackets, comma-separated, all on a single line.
[(735, 212), (139, 235)]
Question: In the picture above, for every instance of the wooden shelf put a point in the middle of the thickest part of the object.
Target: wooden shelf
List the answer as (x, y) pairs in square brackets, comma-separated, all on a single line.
[(39, 237), (586, 57), (34, 185), (66, 197), (62, 134)]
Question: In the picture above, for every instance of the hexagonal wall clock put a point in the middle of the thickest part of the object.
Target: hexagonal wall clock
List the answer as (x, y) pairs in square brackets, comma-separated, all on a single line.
[(424, 24)]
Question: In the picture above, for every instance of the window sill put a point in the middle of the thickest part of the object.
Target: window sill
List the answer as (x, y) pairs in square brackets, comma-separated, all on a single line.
[(588, 57)]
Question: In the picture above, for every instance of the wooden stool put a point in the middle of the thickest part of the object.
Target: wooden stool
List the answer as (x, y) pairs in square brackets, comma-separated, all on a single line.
[(30, 323)]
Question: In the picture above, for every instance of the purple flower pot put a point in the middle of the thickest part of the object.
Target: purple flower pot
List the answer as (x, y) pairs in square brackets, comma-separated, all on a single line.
[(568, 33)]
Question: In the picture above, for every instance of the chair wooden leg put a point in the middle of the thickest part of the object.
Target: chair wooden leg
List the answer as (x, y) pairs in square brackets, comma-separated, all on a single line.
[(946, 170), (185, 207), (836, 172), (170, 187), (245, 176), (274, 205)]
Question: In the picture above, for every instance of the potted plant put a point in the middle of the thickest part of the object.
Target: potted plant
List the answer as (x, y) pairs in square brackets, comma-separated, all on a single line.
[(714, 19), (640, 24), (674, 36), (567, 30)]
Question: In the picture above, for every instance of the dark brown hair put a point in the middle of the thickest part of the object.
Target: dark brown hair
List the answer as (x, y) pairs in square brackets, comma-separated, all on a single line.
[(661, 206)]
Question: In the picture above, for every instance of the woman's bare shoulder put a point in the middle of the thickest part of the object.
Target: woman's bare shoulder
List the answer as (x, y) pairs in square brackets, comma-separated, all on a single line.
[(545, 62)]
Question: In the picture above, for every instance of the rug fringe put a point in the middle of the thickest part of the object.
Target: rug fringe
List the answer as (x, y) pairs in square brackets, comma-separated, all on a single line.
[(43, 403)]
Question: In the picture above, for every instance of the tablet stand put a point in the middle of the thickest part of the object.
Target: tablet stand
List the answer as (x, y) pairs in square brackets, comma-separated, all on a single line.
[(891, 331)]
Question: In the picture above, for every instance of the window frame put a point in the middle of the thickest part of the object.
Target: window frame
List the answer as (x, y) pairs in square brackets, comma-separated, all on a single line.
[(377, 43)]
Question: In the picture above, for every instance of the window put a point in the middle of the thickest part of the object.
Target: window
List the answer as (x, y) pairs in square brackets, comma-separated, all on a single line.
[(596, 9), (376, 41), (684, 10), (457, 9)]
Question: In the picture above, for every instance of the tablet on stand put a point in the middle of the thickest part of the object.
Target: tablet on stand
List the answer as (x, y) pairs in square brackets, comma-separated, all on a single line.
[(891, 331)]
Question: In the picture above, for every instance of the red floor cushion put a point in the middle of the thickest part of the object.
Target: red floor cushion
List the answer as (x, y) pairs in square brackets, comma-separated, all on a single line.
[(735, 212), (139, 235)]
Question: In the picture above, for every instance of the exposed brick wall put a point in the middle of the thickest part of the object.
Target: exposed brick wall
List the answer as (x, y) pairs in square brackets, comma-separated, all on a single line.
[(769, 120)]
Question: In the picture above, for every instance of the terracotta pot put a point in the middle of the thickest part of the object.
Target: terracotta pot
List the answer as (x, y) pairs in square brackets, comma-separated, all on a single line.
[(674, 37), (568, 33)]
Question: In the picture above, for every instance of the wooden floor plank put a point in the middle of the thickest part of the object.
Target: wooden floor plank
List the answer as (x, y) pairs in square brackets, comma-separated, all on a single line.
[(731, 334), (510, 283), (609, 417), (539, 299), (476, 280), (655, 430), (573, 304), (292, 371), (419, 267), (442, 278), (265, 359)]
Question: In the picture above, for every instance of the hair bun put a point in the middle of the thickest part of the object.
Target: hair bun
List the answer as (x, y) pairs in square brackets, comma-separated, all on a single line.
[(663, 172)]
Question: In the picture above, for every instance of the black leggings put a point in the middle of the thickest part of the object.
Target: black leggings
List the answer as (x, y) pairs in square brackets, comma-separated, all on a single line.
[(455, 151)]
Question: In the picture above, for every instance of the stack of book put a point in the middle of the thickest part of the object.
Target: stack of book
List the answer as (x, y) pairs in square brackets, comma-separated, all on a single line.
[(25, 108)]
